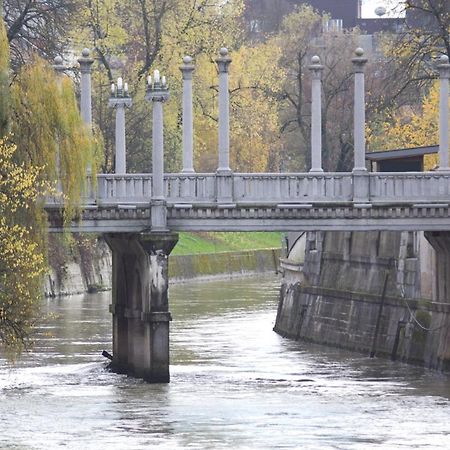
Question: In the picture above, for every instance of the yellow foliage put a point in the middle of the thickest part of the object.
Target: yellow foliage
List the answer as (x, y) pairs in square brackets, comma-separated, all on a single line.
[(47, 126), (409, 128), (22, 263)]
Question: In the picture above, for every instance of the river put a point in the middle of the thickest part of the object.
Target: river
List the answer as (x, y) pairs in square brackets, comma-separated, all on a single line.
[(235, 384)]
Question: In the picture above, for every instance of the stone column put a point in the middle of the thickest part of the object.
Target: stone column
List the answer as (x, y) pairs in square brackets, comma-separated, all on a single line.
[(223, 63), (85, 101), (86, 108), (359, 112), (140, 304), (158, 93), (120, 100), (59, 68), (316, 115), (360, 175), (188, 130), (444, 75)]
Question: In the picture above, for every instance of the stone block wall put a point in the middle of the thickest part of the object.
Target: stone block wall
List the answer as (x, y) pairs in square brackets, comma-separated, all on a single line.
[(349, 282)]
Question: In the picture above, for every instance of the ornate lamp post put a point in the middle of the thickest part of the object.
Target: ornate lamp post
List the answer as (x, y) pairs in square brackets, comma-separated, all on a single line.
[(120, 99), (158, 93)]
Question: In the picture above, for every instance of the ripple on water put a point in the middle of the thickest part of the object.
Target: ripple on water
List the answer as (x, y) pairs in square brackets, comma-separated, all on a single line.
[(235, 384)]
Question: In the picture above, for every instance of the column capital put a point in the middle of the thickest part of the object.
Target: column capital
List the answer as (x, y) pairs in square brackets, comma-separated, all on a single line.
[(157, 94), (224, 61), (316, 68), (115, 102), (359, 61), (85, 61), (443, 67), (187, 68)]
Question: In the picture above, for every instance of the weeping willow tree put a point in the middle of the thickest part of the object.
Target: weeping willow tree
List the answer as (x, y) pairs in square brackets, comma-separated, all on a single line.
[(4, 82), (42, 137), (48, 130)]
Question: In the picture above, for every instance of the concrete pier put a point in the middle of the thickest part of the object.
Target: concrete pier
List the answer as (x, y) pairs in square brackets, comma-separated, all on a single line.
[(140, 304)]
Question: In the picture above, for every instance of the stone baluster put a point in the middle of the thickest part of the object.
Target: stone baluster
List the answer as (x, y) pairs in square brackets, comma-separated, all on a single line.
[(316, 115), (158, 93), (120, 100), (223, 63), (359, 112), (188, 132), (59, 68), (444, 75)]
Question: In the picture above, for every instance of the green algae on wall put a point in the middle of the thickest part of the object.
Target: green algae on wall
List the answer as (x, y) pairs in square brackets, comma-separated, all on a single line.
[(184, 267)]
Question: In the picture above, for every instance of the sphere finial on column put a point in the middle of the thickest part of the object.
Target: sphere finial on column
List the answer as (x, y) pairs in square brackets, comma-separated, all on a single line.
[(443, 67), (85, 61), (187, 68), (359, 60), (223, 61)]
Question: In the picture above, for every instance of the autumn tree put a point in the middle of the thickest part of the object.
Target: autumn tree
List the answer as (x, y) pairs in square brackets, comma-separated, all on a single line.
[(42, 113), (131, 38), (299, 39), (38, 26), (411, 126), (22, 261)]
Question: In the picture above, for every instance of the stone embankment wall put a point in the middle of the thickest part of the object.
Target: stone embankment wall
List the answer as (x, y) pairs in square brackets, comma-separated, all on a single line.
[(78, 275), (365, 292), (229, 264), (88, 271)]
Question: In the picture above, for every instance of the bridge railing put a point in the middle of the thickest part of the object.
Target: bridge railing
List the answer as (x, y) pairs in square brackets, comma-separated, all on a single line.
[(126, 188), (186, 188), (273, 188), (417, 187), (252, 188), (292, 187)]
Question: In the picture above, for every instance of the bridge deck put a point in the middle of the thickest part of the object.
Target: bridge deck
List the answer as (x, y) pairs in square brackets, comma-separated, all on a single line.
[(281, 201)]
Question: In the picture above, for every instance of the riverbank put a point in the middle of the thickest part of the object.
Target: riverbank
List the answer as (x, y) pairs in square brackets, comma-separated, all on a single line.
[(364, 292), (88, 268)]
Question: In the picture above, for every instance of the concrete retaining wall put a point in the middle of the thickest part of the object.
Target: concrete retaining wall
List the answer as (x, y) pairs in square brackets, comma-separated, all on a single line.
[(337, 298), (227, 264)]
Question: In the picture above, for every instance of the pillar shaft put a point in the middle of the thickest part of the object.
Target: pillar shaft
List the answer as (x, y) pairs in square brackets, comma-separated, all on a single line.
[(316, 115), (223, 63), (444, 72), (59, 68), (188, 128), (359, 113), (158, 152), (120, 165), (158, 94), (85, 86)]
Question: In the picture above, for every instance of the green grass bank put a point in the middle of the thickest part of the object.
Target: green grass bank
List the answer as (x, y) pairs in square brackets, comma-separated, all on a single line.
[(205, 243), (210, 255)]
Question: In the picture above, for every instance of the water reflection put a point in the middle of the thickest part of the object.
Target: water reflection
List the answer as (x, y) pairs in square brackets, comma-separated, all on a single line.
[(235, 384)]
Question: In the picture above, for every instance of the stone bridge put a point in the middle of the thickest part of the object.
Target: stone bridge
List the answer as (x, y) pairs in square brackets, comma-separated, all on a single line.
[(139, 214)]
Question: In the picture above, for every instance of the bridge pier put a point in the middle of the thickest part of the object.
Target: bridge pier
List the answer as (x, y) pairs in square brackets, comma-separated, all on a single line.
[(140, 304)]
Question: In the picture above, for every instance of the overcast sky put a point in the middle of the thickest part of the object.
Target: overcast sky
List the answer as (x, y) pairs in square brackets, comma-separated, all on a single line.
[(368, 7)]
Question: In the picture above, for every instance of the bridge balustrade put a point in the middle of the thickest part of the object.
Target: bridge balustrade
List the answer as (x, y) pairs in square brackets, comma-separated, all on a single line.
[(126, 188), (416, 187), (292, 188)]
